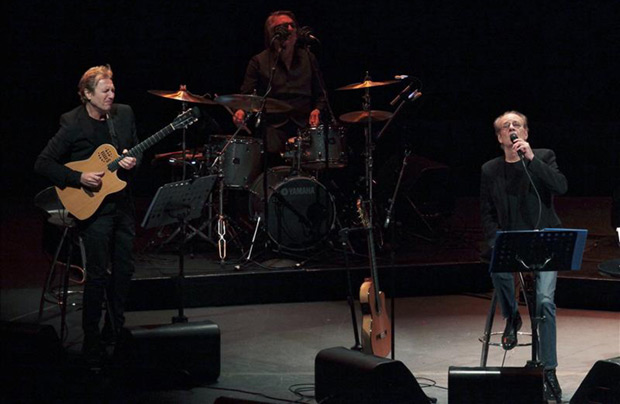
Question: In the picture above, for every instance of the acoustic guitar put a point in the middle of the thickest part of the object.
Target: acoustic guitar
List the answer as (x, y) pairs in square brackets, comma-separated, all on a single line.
[(83, 202), (376, 327)]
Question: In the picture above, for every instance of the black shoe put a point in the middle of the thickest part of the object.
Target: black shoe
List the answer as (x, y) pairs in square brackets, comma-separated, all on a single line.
[(553, 392), (509, 338)]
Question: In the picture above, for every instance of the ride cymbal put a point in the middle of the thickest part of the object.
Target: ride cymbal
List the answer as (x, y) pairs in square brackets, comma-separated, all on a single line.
[(182, 95), (252, 103), (362, 116), (366, 84)]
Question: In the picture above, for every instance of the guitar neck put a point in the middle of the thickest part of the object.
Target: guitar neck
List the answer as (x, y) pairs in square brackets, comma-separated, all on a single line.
[(142, 146)]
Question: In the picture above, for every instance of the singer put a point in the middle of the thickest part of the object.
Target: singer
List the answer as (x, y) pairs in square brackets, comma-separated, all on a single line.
[(289, 71), (510, 200)]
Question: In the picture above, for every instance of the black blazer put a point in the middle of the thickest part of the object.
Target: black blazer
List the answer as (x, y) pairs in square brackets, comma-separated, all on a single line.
[(76, 140), (494, 202)]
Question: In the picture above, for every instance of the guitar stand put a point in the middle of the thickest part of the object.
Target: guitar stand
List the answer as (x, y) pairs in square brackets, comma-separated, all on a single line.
[(344, 241)]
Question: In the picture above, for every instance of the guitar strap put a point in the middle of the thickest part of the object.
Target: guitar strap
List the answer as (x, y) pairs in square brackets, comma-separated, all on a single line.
[(112, 131)]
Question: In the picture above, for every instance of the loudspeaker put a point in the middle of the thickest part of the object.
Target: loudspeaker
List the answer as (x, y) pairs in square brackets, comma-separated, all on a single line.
[(478, 385), (601, 385), (345, 376), (27, 344), (186, 352)]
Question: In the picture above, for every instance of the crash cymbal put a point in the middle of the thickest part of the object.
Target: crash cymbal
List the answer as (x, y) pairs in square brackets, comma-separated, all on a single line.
[(362, 116), (182, 95), (367, 84), (252, 103)]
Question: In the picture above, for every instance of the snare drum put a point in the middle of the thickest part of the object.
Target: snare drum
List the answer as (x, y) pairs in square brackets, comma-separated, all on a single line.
[(301, 212), (241, 161)]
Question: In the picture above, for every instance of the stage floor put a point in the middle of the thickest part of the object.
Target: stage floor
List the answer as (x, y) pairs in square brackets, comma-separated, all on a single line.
[(268, 351)]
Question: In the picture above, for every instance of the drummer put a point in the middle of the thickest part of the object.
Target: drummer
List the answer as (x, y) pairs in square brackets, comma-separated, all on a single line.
[(296, 81)]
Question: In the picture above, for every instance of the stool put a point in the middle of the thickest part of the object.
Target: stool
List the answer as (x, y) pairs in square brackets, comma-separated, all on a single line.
[(485, 339), (47, 200)]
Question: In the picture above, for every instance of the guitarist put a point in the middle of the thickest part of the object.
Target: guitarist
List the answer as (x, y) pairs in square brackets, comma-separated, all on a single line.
[(109, 233)]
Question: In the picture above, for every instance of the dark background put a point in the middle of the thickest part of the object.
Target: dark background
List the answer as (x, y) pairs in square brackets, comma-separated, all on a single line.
[(556, 61)]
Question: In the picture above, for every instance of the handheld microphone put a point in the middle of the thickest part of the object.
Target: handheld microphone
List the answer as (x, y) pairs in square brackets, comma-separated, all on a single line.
[(513, 138)]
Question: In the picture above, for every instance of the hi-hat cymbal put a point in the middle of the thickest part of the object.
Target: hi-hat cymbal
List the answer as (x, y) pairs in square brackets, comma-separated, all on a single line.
[(366, 84), (182, 95), (362, 116), (252, 103)]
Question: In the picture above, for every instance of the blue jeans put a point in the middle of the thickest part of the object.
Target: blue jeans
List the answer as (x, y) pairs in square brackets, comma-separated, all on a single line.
[(545, 310)]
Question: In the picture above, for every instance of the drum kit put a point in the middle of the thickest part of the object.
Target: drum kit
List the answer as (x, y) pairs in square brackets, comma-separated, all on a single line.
[(297, 211)]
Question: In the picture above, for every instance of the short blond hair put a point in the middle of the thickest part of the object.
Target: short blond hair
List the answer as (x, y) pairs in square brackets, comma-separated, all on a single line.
[(90, 79)]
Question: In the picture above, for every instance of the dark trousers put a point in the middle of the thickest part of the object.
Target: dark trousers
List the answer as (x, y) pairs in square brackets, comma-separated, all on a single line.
[(108, 240)]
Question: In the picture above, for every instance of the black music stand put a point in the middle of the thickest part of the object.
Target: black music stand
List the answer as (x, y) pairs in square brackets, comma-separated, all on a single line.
[(538, 250), (180, 202)]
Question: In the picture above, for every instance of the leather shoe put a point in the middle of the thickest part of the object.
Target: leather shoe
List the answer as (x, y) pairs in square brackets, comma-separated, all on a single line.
[(509, 338), (553, 392)]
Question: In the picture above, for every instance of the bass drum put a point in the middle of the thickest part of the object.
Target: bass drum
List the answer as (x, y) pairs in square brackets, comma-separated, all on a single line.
[(301, 212)]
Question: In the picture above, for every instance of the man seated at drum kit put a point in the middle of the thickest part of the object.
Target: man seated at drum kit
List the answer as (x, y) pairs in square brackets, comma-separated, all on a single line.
[(288, 73)]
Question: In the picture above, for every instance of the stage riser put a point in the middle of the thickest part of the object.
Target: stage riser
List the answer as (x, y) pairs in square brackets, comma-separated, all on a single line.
[(286, 286)]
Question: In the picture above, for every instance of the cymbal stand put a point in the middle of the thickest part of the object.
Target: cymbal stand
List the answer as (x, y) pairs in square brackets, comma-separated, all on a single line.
[(221, 219)]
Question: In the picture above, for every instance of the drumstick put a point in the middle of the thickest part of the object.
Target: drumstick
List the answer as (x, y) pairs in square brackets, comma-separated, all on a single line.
[(232, 113)]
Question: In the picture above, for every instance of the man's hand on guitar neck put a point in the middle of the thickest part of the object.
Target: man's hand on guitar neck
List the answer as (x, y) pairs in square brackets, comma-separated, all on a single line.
[(127, 162)]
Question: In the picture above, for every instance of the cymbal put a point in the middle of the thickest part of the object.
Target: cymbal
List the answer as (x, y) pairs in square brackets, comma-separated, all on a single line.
[(252, 103), (182, 95), (367, 84), (362, 116)]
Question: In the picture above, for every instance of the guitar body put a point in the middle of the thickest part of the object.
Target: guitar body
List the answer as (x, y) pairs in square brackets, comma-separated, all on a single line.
[(376, 326), (83, 202)]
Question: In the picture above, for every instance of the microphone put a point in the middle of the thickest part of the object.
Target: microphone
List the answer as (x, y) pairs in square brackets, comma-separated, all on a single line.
[(281, 33), (513, 138), (305, 36), (406, 96)]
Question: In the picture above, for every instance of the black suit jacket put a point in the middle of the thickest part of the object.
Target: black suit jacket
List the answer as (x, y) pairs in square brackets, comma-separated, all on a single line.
[(493, 197), (76, 140)]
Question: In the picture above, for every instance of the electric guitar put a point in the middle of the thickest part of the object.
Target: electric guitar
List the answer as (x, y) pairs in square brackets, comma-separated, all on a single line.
[(376, 327), (83, 202)]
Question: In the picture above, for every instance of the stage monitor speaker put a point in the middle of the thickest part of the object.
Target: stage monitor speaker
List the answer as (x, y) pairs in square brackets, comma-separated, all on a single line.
[(507, 385), (601, 385), (188, 351), (28, 344), (345, 376)]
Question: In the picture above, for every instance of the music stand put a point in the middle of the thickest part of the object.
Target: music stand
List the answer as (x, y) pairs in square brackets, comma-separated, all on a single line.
[(181, 202), (538, 250)]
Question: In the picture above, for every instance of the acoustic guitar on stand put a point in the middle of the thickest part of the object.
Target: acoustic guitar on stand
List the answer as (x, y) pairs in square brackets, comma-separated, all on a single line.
[(83, 202), (376, 327)]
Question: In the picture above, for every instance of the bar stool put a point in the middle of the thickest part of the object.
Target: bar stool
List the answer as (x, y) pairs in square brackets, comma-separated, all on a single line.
[(56, 288), (485, 339)]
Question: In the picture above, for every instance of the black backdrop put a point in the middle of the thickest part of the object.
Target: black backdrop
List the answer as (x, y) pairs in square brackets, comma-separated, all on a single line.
[(556, 61)]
